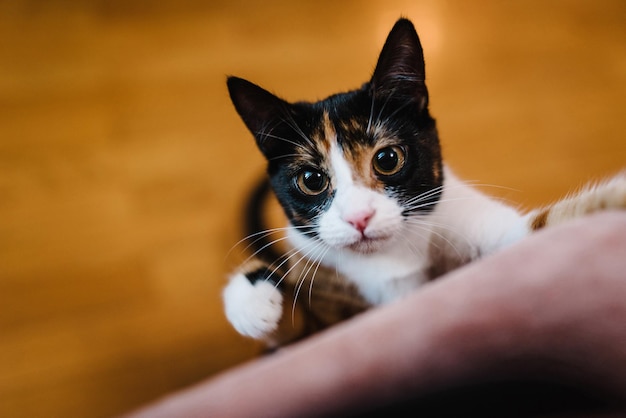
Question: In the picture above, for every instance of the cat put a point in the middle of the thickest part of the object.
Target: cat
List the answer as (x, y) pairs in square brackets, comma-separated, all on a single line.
[(373, 210)]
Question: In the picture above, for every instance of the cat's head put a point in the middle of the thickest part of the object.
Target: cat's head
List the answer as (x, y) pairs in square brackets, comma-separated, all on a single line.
[(351, 169)]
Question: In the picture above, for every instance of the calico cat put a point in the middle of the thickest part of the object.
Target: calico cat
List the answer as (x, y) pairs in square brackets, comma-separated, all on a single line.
[(373, 210)]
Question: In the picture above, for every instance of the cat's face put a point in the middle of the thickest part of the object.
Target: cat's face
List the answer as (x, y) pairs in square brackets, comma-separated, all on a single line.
[(350, 170)]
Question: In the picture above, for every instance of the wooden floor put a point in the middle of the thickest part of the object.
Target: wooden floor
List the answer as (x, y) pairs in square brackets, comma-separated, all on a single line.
[(123, 166)]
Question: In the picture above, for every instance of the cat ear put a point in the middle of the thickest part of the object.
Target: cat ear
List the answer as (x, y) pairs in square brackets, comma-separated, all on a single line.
[(400, 68), (259, 109)]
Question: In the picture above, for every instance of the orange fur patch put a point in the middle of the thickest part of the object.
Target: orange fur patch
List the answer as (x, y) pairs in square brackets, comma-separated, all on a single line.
[(359, 155), (540, 220)]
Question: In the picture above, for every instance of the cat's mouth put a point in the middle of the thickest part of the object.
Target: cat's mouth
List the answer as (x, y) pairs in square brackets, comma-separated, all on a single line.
[(368, 245)]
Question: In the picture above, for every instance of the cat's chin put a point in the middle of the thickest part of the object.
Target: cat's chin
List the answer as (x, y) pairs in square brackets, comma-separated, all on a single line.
[(368, 245)]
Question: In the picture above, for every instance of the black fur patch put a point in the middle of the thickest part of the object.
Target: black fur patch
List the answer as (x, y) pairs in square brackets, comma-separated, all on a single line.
[(265, 274)]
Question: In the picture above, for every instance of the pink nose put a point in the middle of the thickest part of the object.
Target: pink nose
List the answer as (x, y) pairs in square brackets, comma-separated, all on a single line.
[(360, 220)]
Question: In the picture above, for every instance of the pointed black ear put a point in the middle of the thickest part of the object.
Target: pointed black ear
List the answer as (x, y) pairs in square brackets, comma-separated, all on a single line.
[(259, 109), (400, 68)]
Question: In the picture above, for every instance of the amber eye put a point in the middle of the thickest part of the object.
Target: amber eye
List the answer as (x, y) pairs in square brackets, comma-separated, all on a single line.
[(311, 182), (389, 160)]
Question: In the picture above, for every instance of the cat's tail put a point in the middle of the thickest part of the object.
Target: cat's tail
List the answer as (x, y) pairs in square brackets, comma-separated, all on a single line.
[(255, 226), (607, 195)]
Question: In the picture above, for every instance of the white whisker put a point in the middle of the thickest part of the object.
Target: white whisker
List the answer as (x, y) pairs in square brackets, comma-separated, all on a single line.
[(431, 227), (291, 122), (311, 261), (263, 248), (369, 121), (313, 244), (319, 262), (412, 245), (280, 138), (427, 204), (260, 235)]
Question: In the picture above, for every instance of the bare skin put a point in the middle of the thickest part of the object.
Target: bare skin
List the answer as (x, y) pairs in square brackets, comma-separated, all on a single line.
[(551, 307)]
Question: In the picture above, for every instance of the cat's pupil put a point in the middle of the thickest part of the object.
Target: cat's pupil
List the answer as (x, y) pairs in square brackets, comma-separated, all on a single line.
[(387, 159), (313, 180)]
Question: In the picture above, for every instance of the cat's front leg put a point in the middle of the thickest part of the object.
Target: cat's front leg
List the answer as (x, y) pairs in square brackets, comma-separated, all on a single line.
[(254, 302)]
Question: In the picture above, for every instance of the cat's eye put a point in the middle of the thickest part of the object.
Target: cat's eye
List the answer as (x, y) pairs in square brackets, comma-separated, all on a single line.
[(311, 182), (389, 160)]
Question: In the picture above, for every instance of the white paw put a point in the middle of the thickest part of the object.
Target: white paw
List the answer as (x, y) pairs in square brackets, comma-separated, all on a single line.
[(254, 310)]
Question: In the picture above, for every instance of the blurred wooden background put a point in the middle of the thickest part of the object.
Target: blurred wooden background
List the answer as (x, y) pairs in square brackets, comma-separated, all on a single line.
[(123, 166)]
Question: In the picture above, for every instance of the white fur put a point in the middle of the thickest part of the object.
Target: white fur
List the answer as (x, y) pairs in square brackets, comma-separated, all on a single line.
[(475, 224), (467, 223), (254, 310)]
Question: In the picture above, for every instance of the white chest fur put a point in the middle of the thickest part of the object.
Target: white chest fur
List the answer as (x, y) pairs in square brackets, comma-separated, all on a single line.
[(385, 275)]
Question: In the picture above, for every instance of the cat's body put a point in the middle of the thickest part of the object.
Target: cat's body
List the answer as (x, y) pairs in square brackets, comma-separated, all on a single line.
[(373, 211)]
